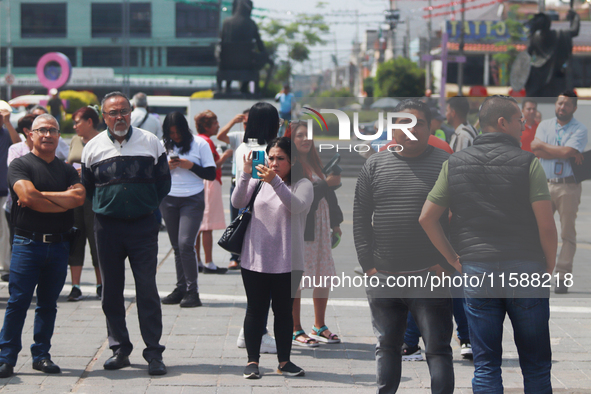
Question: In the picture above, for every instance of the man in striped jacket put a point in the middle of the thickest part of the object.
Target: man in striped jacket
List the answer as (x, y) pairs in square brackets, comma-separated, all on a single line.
[(393, 248)]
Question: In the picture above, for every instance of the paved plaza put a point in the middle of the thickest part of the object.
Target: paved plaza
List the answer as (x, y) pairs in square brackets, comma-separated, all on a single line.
[(202, 357)]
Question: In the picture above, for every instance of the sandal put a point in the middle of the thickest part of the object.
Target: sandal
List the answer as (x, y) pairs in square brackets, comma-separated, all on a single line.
[(304, 341), (317, 335)]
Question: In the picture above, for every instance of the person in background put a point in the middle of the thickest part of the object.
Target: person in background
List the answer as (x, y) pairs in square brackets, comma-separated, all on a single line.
[(286, 105), (272, 253), (140, 117), (557, 140), (234, 139), (436, 122), (55, 105), (538, 117), (63, 149), (213, 218), (86, 122), (14, 152), (324, 218), (530, 109), (456, 114), (8, 137), (191, 162)]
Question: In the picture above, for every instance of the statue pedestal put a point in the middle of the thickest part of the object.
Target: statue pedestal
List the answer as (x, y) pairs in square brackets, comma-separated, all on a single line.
[(244, 76)]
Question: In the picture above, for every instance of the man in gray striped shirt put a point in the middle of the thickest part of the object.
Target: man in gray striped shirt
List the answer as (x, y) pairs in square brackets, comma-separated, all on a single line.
[(393, 248)]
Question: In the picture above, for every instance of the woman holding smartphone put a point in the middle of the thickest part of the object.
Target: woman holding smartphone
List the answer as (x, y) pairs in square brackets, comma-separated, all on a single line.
[(272, 258), (190, 161)]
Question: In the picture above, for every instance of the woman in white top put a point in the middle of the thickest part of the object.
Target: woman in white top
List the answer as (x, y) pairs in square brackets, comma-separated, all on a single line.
[(190, 161)]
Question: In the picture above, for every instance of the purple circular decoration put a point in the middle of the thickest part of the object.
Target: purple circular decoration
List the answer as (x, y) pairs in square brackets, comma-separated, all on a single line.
[(65, 66)]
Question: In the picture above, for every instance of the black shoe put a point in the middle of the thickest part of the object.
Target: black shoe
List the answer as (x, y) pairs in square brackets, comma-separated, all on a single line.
[(4, 277), (218, 270), (560, 287), (99, 291), (156, 367), (290, 369), (6, 370), (251, 371), (117, 361), (75, 294), (46, 365), (191, 300), (173, 298)]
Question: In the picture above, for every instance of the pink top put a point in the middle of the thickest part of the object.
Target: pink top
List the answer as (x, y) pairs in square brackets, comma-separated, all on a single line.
[(274, 240), (14, 152)]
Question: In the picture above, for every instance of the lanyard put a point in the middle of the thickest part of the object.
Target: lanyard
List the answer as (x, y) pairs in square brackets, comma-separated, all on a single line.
[(560, 134)]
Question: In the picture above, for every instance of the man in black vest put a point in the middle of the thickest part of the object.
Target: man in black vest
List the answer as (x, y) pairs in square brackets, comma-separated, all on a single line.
[(504, 233)]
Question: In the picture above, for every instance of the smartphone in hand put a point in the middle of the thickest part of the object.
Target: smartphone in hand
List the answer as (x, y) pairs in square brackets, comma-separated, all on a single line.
[(174, 156), (258, 157)]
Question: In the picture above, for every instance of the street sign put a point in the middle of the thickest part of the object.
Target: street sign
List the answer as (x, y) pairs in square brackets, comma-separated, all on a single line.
[(9, 78)]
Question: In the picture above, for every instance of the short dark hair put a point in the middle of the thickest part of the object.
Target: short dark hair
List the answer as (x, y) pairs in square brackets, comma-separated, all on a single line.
[(461, 105), (528, 100), (88, 113), (495, 107), (26, 122), (263, 123), (114, 94), (182, 127), (417, 105), (569, 93)]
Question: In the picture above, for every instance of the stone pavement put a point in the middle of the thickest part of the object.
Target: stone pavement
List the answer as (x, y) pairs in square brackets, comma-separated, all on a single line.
[(202, 357)]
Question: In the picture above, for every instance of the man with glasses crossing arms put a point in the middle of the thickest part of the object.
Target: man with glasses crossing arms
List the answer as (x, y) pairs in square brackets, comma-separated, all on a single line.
[(126, 174), (44, 191)]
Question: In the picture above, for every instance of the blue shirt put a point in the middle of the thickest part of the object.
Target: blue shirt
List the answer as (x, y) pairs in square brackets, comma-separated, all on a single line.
[(285, 102), (573, 134)]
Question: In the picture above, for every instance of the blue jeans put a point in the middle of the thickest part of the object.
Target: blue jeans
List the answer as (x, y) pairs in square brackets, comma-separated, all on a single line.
[(433, 317), (44, 265), (529, 318)]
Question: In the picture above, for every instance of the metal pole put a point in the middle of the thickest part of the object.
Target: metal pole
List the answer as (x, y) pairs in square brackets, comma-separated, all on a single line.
[(443, 71), (429, 27), (461, 52), (8, 50), (125, 47), (541, 5)]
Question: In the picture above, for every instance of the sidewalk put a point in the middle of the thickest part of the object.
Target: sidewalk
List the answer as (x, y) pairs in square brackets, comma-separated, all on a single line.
[(202, 357)]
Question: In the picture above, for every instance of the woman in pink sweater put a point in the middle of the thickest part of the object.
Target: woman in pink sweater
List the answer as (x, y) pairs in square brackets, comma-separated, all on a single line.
[(272, 257)]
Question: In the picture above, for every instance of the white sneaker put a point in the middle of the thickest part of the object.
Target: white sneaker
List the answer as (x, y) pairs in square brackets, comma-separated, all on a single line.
[(267, 343), (240, 341)]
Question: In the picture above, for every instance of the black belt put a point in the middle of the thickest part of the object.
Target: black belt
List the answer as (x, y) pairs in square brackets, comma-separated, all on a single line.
[(568, 179), (45, 238)]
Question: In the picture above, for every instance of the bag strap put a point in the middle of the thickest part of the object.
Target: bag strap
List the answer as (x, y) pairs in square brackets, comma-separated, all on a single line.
[(144, 120), (256, 191)]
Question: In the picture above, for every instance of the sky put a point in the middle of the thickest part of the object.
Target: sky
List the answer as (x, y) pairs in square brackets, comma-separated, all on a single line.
[(340, 17)]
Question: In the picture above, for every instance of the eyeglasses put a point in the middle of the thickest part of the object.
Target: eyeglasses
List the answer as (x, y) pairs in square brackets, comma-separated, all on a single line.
[(123, 112), (43, 131)]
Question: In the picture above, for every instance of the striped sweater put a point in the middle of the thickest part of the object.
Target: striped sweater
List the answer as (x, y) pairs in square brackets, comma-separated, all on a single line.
[(389, 197)]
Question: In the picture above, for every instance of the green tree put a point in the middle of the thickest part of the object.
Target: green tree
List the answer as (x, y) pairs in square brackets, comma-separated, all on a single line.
[(399, 77), (368, 86), (296, 37)]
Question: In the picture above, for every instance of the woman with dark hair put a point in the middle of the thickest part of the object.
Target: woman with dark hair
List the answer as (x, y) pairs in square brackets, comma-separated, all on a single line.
[(86, 122), (190, 161), (324, 216), (272, 253)]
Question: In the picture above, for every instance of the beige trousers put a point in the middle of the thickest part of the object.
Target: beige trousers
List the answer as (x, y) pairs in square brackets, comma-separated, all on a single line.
[(566, 198)]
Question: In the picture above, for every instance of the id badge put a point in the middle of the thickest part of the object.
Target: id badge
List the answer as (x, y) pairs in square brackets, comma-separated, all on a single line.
[(558, 167)]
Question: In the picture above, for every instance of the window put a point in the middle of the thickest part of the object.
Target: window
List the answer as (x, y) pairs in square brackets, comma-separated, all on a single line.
[(107, 19), (29, 56), (190, 56), (107, 57), (197, 20), (43, 20)]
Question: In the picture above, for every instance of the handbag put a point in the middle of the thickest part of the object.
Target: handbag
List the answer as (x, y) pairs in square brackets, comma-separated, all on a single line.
[(233, 237)]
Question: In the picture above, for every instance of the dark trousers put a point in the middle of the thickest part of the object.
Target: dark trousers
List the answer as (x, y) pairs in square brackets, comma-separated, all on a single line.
[(182, 216), (33, 264), (137, 240), (84, 221), (262, 289)]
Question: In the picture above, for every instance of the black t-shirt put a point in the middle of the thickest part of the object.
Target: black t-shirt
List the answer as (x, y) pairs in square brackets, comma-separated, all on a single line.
[(56, 176)]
